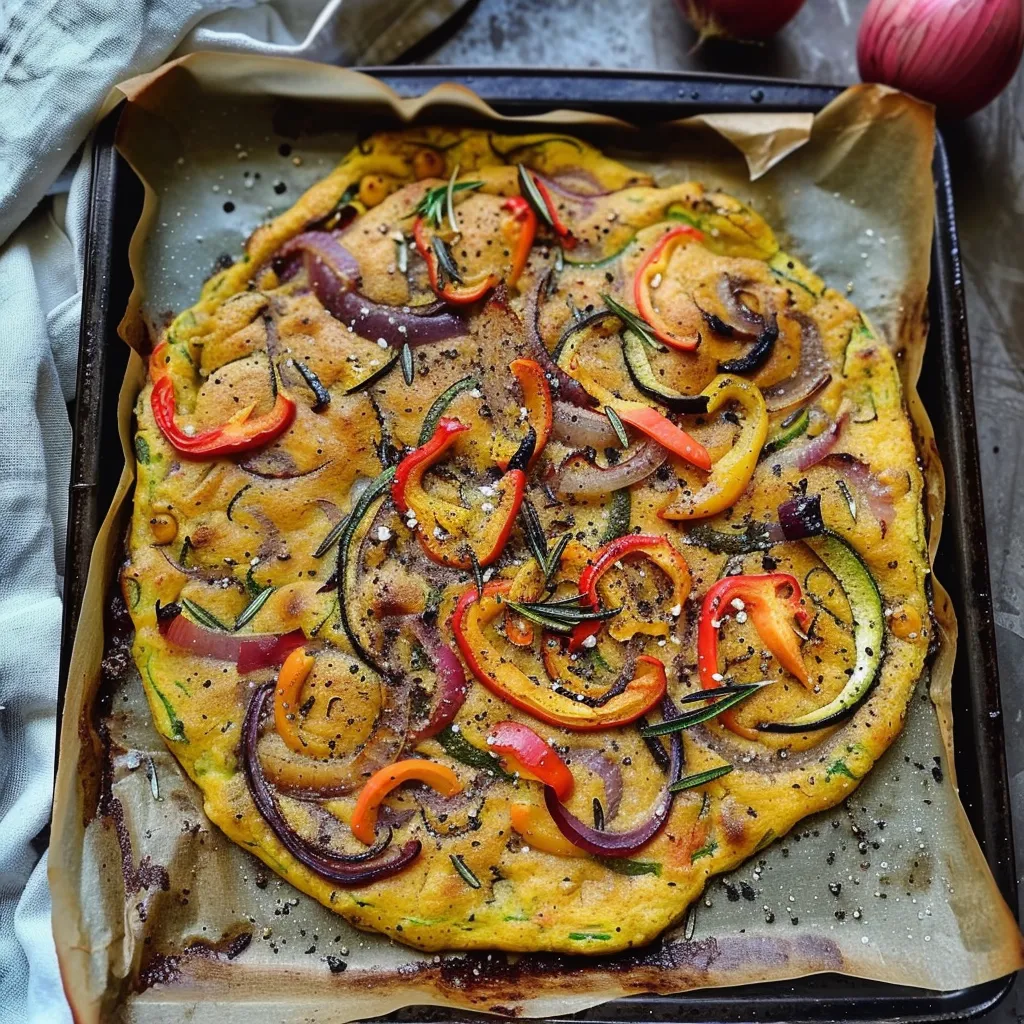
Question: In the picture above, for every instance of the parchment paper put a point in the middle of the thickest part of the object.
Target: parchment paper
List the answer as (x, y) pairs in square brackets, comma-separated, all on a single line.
[(158, 917)]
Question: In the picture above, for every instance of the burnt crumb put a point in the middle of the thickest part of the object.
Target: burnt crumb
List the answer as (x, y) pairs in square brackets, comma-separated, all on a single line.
[(732, 892), (937, 770), (229, 207), (223, 262), (747, 891), (335, 964)]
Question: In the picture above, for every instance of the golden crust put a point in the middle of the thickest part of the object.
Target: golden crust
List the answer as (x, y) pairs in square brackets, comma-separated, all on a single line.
[(258, 518)]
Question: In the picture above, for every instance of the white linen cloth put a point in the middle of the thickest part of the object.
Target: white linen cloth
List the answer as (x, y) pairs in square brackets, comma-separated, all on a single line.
[(58, 61)]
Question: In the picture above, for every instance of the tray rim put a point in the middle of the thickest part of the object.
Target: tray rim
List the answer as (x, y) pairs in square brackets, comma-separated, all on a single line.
[(945, 290)]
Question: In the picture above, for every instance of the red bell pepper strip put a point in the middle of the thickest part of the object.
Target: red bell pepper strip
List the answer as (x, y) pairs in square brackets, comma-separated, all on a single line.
[(771, 612), (383, 781), (655, 263), (525, 752), (506, 680), (550, 211), (238, 434), (464, 535), (450, 291), (657, 548)]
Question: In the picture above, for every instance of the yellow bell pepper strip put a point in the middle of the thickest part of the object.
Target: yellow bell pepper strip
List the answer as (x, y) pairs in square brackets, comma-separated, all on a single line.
[(523, 751), (537, 403), (655, 265), (639, 416), (240, 433), (660, 551), (533, 694), (464, 536), (293, 674), (763, 599), (383, 781), (731, 474), (534, 824)]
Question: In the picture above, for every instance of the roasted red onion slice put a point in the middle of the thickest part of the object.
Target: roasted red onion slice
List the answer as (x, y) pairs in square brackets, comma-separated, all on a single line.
[(582, 428), (200, 572), (800, 517), (876, 495), (609, 773), (814, 373), (810, 452), (249, 653), (451, 686), (574, 183), (561, 383), (578, 476), (740, 317), (622, 844), (333, 274), (355, 869)]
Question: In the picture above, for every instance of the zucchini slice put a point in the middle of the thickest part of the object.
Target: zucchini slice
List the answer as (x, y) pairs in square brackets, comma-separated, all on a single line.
[(868, 634), (633, 351), (790, 429)]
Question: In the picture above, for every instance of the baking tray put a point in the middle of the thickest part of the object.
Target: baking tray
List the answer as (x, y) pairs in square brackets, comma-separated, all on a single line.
[(945, 388)]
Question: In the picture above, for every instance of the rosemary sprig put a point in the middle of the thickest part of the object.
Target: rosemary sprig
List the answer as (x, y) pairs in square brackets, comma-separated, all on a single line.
[(560, 617), (617, 426), (700, 778), (331, 539), (316, 385), (463, 869), (446, 267), (202, 616), (249, 612), (548, 561), (692, 718), (434, 202), (633, 323), (478, 576), (529, 191), (408, 368)]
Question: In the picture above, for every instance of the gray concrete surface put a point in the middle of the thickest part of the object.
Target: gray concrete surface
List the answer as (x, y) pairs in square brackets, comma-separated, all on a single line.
[(988, 163)]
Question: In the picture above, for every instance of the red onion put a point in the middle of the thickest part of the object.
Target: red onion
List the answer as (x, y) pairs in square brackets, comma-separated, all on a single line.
[(333, 274), (451, 685), (345, 869), (800, 517), (582, 428), (568, 181), (579, 477), (738, 19), (249, 653), (622, 844), (877, 495), (608, 771), (740, 317), (814, 373), (561, 383), (207, 574), (957, 54)]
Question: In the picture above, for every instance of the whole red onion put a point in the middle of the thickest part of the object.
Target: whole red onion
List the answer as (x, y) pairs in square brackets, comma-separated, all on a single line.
[(957, 54), (738, 19)]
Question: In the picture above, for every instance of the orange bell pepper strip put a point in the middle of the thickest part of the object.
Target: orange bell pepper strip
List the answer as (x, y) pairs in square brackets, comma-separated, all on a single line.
[(445, 282), (659, 550), (534, 824), (523, 751), (538, 404), (654, 265), (293, 674), (518, 231), (383, 781), (650, 422), (240, 433), (532, 694), (771, 612), (464, 534)]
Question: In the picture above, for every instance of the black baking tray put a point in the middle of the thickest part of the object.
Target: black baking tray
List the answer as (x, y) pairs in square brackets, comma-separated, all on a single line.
[(945, 387)]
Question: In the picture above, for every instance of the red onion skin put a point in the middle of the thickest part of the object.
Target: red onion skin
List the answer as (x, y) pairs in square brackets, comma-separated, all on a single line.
[(345, 869), (249, 652), (452, 686), (589, 481), (738, 19), (957, 54)]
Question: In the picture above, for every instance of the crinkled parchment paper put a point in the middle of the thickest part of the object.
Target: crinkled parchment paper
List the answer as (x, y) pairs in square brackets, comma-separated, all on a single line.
[(159, 918)]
